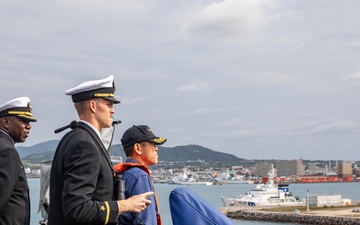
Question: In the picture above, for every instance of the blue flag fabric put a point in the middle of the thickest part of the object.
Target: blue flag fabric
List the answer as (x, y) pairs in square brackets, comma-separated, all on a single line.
[(188, 208)]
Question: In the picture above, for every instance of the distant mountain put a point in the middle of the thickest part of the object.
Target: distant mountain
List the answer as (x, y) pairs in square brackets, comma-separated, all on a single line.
[(38, 148), (184, 153), (44, 151), (194, 152), (37, 158)]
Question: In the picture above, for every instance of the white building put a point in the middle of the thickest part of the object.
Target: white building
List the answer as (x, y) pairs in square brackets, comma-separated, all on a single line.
[(325, 200)]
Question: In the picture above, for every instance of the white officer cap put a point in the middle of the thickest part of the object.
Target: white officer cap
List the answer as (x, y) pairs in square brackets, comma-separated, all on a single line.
[(103, 88), (19, 107)]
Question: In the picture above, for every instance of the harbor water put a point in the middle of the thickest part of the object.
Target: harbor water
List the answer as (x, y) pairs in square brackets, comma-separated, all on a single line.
[(212, 195)]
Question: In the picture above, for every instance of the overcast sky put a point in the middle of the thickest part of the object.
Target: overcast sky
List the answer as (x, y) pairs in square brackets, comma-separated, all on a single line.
[(259, 79)]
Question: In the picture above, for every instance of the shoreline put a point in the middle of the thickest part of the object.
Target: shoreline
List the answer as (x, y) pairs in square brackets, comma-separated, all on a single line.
[(321, 216), (32, 176)]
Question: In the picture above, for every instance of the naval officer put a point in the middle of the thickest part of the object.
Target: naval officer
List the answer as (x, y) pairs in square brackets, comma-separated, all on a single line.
[(82, 176), (15, 117)]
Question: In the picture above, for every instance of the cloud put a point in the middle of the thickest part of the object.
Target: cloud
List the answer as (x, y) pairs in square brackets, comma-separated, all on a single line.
[(354, 44), (95, 5), (231, 19), (325, 126), (160, 112), (281, 78), (194, 87), (319, 127), (137, 100), (203, 112), (190, 66), (353, 77), (235, 122)]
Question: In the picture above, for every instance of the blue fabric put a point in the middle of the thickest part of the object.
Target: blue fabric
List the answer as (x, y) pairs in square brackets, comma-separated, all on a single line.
[(137, 182), (188, 208)]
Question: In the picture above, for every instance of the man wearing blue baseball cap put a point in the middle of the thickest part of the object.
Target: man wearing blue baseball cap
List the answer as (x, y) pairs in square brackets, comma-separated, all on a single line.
[(82, 177), (15, 118)]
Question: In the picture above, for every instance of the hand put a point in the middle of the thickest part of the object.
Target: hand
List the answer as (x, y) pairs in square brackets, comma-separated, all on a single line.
[(136, 203)]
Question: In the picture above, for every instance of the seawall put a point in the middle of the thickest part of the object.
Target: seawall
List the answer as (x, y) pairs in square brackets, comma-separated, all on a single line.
[(292, 218)]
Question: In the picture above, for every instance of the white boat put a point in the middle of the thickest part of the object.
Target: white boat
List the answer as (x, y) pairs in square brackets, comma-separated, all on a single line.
[(233, 180), (229, 177), (188, 179), (189, 182), (268, 194)]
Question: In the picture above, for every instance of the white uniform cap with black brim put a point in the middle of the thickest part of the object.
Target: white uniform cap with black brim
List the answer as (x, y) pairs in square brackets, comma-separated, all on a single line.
[(19, 107), (104, 88)]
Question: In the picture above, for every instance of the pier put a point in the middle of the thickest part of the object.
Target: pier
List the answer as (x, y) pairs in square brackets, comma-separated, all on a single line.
[(344, 216)]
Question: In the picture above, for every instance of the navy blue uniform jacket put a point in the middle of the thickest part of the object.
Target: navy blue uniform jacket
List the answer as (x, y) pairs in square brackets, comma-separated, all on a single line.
[(81, 181), (14, 190)]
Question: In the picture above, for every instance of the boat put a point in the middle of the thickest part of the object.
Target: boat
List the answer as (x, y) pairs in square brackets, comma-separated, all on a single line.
[(230, 178), (265, 194), (187, 179)]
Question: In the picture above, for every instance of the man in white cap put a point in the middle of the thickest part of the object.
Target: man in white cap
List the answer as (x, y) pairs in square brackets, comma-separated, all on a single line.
[(82, 176), (15, 117)]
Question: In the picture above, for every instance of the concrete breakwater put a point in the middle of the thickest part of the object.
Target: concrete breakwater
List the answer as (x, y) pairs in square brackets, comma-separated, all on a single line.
[(292, 218)]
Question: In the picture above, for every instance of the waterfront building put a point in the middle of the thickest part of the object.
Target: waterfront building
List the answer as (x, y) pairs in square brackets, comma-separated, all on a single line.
[(356, 171), (27, 170), (325, 200), (289, 167), (169, 172), (262, 169), (344, 169), (312, 169)]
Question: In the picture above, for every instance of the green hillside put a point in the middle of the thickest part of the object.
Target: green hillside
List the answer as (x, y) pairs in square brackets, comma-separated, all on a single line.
[(45, 151)]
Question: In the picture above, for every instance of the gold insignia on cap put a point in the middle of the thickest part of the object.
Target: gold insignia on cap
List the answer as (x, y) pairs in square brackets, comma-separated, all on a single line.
[(102, 208), (114, 86), (29, 106), (103, 95), (159, 140), (21, 113)]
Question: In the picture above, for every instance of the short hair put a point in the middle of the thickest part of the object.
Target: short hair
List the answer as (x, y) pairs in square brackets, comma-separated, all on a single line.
[(81, 106), (130, 149)]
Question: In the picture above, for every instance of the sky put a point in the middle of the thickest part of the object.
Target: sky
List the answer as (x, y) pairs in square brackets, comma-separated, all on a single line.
[(260, 79)]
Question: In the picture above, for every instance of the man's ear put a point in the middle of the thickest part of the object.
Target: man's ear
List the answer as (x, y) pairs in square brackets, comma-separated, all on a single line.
[(92, 105), (138, 149), (5, 122)]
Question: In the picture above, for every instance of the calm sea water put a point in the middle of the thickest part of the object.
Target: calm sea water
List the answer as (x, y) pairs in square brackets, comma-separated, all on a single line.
[(212, 195)]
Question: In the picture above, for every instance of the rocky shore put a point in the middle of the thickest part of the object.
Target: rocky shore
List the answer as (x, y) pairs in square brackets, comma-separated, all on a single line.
[(343, 217)]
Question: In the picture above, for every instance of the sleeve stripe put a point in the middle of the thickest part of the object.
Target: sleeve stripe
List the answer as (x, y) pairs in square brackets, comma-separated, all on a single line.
[(107, 213)]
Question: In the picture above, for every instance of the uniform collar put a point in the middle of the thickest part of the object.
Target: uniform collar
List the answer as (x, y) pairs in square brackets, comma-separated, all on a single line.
[(92, 127), (8, 136)]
